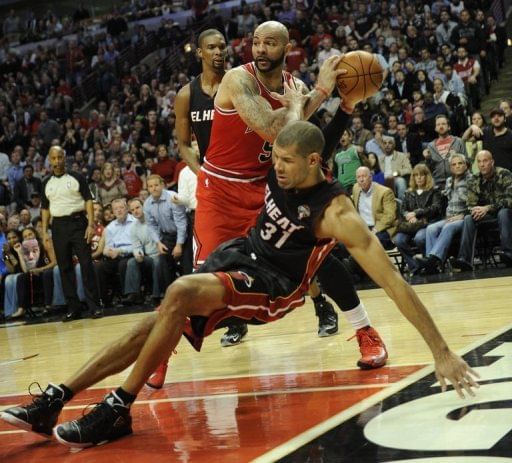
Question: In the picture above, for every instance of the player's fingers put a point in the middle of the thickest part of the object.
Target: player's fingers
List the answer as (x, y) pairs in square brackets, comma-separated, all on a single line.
[(442, 382), (473, 372)]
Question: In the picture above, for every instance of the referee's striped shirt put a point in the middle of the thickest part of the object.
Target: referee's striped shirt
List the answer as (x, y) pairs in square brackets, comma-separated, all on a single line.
[(65, 195)]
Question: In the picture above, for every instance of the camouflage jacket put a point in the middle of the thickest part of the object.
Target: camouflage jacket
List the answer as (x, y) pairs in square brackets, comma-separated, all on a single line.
[(496, 191)]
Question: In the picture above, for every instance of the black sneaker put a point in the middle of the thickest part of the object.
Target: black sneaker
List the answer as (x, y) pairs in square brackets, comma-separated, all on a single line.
[(41, 415), (107, 421), (233, 335), (327, 318)]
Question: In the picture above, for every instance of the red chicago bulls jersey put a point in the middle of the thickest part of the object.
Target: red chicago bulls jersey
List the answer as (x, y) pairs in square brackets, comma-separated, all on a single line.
[(236, 151), (464, 70)]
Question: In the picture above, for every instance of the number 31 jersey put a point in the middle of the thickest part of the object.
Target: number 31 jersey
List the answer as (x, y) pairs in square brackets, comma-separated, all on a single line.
[(235, 150), (284, 235)]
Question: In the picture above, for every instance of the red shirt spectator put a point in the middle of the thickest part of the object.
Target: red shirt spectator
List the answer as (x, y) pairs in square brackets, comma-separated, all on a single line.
[(165, 166), (295, 57)]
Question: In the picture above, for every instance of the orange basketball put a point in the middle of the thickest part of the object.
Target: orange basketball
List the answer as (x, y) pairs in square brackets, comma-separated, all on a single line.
[(363, 78)]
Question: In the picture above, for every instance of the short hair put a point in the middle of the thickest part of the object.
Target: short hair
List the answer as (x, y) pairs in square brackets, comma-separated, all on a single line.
[(207, 33), (135, 199), (118, 200), (457, 155), (443, 116), (305, 136), (155, 177)]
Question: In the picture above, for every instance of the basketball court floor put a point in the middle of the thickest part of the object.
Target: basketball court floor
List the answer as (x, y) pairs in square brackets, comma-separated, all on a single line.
[(285, 395)]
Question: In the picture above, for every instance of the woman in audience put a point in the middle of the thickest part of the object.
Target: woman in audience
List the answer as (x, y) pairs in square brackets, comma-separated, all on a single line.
[(423, 83), (12, 262), (110, 187), (422, 204)]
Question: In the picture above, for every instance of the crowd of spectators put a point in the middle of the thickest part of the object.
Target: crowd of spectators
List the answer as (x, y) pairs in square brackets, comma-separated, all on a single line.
[(440, 59)]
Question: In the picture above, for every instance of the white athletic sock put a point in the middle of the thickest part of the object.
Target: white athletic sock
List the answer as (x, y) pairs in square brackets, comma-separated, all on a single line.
[(358, 317)]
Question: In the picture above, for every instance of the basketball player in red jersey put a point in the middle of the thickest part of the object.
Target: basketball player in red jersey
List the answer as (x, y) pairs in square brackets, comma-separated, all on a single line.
[(250, 109)]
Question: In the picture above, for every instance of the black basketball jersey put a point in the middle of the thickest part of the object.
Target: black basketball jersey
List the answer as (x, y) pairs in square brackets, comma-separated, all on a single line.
[(284, 234), (201, 115)]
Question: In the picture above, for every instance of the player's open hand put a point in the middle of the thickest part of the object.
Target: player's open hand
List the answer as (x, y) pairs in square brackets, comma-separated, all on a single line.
[(291, 98), (329, 72), (452, 368)]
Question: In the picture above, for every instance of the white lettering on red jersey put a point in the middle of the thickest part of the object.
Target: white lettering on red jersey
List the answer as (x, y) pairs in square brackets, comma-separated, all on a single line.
[(236, 152)]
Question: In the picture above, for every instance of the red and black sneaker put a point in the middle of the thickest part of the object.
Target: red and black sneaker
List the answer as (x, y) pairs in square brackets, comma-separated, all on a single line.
[(372, 348)]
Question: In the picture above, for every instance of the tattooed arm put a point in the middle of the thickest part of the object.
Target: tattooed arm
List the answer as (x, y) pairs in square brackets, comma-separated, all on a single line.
[(238, 90)]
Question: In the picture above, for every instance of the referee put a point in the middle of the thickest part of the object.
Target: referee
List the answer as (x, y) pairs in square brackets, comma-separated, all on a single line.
[(67, 198)]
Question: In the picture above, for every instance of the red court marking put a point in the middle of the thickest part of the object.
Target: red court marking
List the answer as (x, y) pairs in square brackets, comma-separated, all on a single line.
[(227, 429)]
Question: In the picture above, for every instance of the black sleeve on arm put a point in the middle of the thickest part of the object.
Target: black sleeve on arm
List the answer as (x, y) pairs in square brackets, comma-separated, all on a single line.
[(83, 188), (333, 131), (45, 204)]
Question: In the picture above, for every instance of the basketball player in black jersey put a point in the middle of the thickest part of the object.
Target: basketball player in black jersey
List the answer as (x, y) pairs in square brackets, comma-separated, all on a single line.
[(194, 111), (259, 278)]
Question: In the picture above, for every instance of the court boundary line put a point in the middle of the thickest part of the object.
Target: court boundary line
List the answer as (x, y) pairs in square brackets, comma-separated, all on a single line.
[(314, 432), (228, 395)]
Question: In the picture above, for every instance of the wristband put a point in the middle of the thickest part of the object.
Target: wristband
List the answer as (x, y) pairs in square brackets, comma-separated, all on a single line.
[(323, 91)]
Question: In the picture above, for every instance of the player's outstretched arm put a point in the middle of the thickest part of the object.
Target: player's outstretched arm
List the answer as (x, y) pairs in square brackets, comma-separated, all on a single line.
[(240, 91), (342, 222), (183, 129)]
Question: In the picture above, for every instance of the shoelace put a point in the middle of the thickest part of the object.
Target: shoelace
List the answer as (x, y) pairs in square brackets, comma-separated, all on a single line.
[(36, 398), (366, 341), (95, 416)]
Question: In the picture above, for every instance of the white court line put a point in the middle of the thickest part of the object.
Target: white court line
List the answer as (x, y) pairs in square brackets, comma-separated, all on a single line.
[(316, 431), (227, 395)]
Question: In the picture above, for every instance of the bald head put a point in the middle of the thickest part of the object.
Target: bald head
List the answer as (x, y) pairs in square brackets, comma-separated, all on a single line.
[(57, 159), (275, 29), (485, 163)]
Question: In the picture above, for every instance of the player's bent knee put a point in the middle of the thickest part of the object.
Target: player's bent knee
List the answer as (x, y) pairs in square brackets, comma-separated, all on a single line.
[(179, 295)]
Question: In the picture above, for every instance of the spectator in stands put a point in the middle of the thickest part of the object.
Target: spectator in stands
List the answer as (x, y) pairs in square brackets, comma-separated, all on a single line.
[(132, 175), (118, 250), (396, 167), (505, 105), (422, 204), (489, 203), (376, 145), (168, 226), (327, 50), (347, 161), (25, 219), (374, 166), (165, 166), (409, 144), (153, 134), (35, 205), (361, 134), (4, 165), (467, 34), (438, 151), (35, 258), (143, 266), (468, 69), (11, 259), (445, 28), (48, 131), (111, 187), (15, 170), (439, 235), (496, 138), (376, 205), (24, 188), (365, 23), (454, 83), (474, 144), (401, 88)]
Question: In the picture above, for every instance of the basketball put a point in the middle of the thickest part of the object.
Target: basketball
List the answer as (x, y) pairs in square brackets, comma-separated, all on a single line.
[(363, 78)]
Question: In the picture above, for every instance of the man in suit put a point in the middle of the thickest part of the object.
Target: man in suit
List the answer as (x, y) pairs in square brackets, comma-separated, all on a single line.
[(376, 205)]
